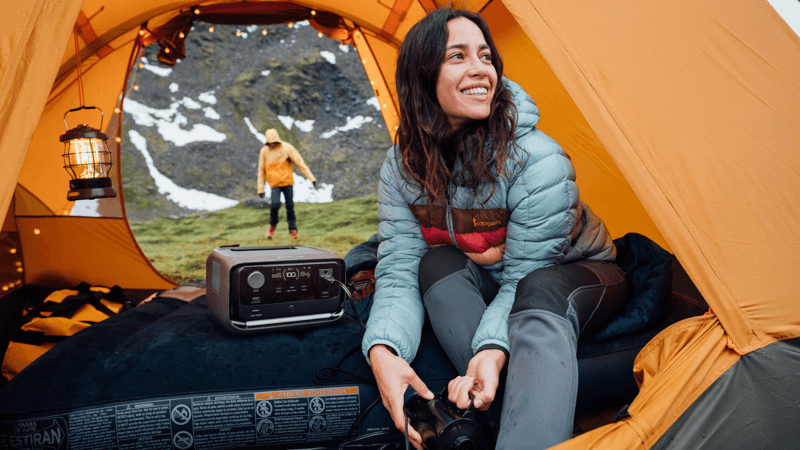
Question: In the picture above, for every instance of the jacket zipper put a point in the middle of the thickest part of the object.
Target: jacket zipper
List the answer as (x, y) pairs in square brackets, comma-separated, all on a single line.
[(450, 221)]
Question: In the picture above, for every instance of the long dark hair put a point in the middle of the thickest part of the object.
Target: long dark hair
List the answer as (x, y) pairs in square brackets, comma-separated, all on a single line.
[(427, 148)]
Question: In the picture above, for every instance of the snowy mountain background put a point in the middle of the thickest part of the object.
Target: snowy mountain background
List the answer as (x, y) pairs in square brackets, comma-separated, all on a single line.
[(192, 133)]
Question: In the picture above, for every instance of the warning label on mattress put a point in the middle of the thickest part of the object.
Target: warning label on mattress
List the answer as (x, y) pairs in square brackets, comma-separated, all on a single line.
[(211, 421)]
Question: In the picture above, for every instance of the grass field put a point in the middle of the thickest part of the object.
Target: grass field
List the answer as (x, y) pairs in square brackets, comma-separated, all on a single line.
[(178, 247)]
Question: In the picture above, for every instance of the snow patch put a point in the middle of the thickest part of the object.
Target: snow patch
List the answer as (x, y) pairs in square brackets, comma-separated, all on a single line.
[(265, 72), (352, 124), (160, 71), (330, 57), (186, 198), (173, 87), (374, 102), (789, 10), (208, 97), (260, 136), (304, 192), (168, 122), (86, 208), (210, 113)]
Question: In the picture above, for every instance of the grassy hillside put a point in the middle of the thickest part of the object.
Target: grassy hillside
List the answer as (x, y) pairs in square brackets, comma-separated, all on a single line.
[(178, 247)]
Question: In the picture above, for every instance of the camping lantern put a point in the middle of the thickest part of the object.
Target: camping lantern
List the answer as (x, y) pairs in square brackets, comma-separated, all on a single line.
[(87, 160)]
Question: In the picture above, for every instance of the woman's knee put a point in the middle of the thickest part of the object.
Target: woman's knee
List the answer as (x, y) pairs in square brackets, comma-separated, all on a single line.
[(543, 289), (438, 263)]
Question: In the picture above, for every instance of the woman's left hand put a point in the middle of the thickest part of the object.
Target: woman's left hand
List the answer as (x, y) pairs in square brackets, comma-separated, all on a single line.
[(482, 379)]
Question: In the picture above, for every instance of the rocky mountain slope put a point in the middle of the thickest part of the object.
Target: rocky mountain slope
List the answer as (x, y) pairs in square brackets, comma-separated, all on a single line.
[(200, 118)]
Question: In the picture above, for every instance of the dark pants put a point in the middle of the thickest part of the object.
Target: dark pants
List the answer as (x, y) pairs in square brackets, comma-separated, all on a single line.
[(288, 192), (553, 306)]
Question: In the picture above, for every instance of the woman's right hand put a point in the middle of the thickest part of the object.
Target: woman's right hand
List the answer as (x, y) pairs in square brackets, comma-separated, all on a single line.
[(394, 375)]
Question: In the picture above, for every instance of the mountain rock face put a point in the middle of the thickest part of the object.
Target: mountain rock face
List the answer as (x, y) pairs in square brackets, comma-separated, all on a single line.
[(199, 120)]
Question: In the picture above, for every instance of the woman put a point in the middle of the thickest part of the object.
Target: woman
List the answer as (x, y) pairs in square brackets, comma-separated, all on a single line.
[(482, 228)]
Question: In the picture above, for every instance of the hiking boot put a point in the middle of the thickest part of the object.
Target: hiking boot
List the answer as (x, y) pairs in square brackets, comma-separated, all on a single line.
[(270, 233), (293, 233)]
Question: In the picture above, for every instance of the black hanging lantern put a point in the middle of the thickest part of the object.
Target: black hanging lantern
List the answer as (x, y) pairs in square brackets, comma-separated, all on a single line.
[(86, 156), (87, 160)]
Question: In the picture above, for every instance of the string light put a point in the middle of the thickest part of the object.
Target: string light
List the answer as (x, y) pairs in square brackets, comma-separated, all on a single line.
[(181, 35), (141, 32), (197, 10), (238, 32), (141, 65), (166, 50), (291, 25), (135, 87), (116, 110), (313, 13), (118, 139), (210, 29), (319, 34), (264, 31), (13, 251)]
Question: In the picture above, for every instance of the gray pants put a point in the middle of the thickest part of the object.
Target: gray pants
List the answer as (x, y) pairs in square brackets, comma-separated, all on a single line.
[(552, 308)]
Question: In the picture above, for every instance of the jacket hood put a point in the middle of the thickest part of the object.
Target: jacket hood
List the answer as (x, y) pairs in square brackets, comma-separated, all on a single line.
[(527, 111), (272, 136)]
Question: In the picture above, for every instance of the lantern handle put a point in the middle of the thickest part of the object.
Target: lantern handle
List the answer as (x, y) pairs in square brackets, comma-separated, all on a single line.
[(102, 116)]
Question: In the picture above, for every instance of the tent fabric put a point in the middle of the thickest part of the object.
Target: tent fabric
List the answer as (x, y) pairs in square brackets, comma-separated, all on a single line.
[(752, 405), (696, 104)]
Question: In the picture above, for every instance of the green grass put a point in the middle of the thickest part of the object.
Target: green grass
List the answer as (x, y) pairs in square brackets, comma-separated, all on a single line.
[(178, 247)]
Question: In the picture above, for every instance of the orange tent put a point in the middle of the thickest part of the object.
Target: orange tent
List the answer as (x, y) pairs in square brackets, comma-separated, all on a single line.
[(681, 119)]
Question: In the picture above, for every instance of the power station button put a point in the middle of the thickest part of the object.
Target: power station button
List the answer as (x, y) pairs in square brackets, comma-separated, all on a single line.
[(255, 280)]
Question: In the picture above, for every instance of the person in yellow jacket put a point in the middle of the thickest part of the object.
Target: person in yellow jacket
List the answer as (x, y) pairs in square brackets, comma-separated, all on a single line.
[(275, 167)]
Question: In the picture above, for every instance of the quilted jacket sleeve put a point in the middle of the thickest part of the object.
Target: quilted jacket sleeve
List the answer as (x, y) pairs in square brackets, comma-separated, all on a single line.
[(545, 208), (397, 313)]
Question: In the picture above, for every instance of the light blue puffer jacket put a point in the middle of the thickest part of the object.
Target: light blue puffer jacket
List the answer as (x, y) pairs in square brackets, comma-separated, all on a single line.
[(547, 225)]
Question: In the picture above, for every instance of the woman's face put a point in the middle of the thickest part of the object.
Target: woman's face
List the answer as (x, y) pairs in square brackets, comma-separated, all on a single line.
[(467, 78)]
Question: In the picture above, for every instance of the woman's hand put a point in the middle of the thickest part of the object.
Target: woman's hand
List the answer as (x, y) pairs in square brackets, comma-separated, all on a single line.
[(482, 379), (393, 375)]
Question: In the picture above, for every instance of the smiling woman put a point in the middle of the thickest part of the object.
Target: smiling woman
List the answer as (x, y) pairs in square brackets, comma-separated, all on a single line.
[(483, 231)]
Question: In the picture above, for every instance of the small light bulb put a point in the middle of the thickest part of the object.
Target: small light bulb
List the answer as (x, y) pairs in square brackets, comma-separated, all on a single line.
[(135, 87), (116, 110), (238, 32), (5, 288), (36, 231), (313, 13), (357, 33), (141, 65), (141, 32), (166, 50), (210, 29), (13, 251), (384, 105), (18, 263), (19, 269), (319, 34), (364, 61), (372, 82), (197, 10), (264, 31), (291, 25), (181, 35), (118, 139)]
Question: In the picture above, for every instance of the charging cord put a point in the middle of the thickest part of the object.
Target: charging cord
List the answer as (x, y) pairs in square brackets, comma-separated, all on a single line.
[(329, 278)]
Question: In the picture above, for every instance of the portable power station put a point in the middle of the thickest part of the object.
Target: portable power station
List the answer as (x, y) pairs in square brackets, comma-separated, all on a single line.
[(260, 289)]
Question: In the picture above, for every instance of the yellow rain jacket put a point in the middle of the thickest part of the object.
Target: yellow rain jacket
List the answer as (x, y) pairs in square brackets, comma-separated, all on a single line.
[(275, 165)]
